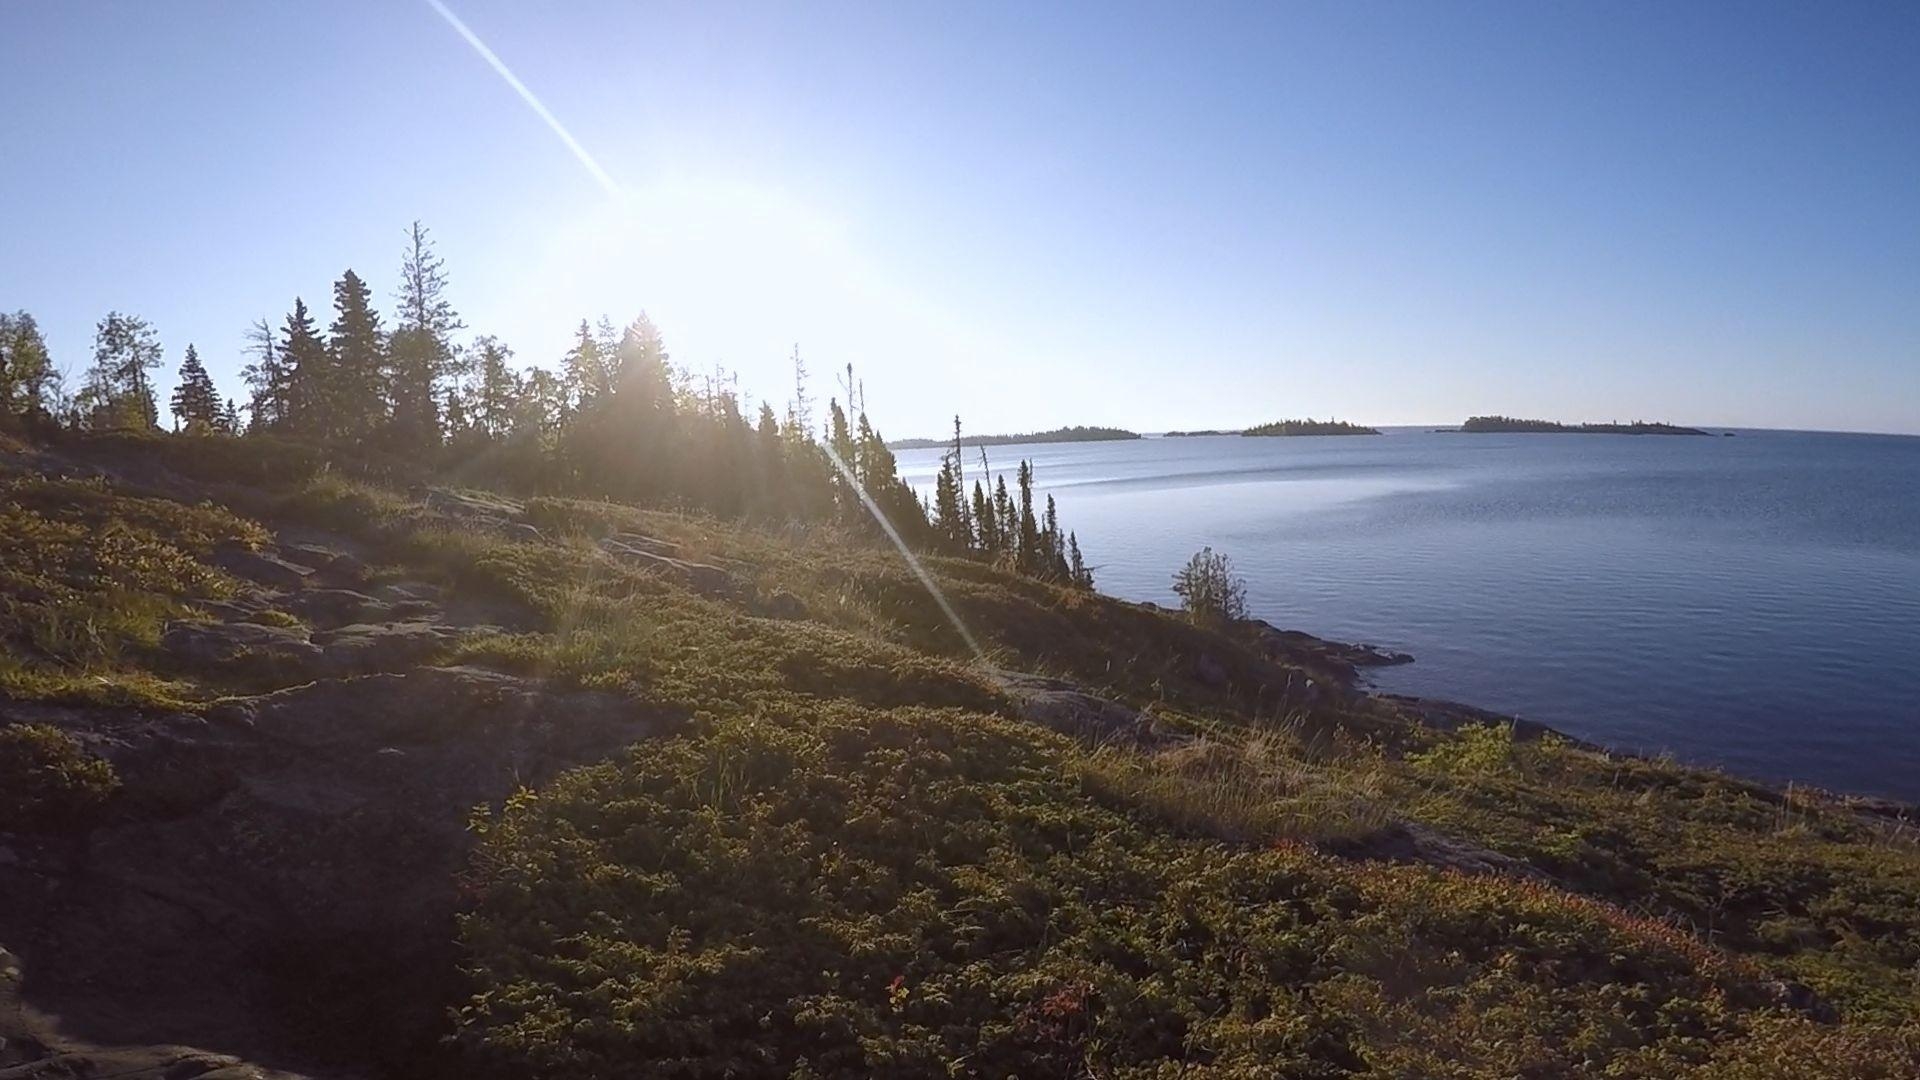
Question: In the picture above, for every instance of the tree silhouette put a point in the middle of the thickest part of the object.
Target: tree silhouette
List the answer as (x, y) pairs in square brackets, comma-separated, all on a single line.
[(195, 404), (117, 392)]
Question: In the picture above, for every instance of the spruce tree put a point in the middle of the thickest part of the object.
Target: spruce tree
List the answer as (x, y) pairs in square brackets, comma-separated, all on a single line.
[(420, 353), (986, 530), (588, 370), (308, 374), (1026, 555), (355, 399), (495, 388), (1006, 521), (195, 405), (230, 419), (1077, 568)]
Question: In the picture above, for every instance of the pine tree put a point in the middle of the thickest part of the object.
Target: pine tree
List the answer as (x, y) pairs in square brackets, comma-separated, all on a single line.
[(230, 419), (118, 392), (308, 373), (195, 404), (354, 397), (420, 353)]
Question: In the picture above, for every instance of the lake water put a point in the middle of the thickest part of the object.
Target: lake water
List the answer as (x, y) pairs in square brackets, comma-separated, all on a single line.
[(1750, 602)]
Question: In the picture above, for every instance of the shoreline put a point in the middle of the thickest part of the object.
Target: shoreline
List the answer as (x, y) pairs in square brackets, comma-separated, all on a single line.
[(1353, 661)]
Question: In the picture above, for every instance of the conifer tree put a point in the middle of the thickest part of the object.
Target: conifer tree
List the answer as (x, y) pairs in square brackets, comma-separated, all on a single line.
[(987, 530), (1027, 546), (308, 373), (1077, 568), (588, 370), (1005, 519), (230, 418), (118, 392), (195, 405), (420, 352), (1053, 546), (640, 366), (353, 401), (840, 445), (495, 388)]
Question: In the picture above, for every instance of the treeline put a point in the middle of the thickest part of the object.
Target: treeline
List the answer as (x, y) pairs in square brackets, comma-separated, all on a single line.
[(1076, 433), (614, 419), (1310, 427), (999, 526), (1488, 424)]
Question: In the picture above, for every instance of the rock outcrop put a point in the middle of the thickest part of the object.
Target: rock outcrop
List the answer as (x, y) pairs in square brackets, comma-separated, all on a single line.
[(280, 876)]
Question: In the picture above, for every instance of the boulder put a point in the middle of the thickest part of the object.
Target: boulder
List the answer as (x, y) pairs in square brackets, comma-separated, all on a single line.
[(224, 643), (301, 905), (1071, 709), (703, 578), (1408, 841), (382, 646), (334, 607), (627, 543), (263, 567), (521, 532)]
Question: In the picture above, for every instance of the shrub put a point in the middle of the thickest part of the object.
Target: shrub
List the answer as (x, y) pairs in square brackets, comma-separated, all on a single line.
[(1208, 588), (1474, 750), (48, 783), (840, 892)]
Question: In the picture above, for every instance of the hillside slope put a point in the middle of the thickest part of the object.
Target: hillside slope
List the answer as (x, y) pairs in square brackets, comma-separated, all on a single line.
[(750, 806)]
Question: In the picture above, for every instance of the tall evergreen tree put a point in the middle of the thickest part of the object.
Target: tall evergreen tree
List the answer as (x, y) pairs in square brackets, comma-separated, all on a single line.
[(495, 387), (355, 398), (985, 527), (588, 369), (118, 393), (1006, 519), (420, 353), (309, 375), (1026, 552), (230, 419), (196, 404), (1077, 568)]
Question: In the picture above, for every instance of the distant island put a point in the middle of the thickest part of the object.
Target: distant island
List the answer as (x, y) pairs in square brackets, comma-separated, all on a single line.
[(1196, 434), (1076, 433), (1310, 427), (1481, 425)]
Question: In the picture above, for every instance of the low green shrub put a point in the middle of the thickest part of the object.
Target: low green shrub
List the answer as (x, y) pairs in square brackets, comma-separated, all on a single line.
[(841, 892), (48, 782)]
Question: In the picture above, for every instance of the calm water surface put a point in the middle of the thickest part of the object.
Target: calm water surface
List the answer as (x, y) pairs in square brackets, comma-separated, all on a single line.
[(1751, 602)]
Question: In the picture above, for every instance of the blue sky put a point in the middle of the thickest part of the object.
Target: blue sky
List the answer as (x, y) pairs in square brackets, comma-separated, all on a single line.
[(1151, 216)]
